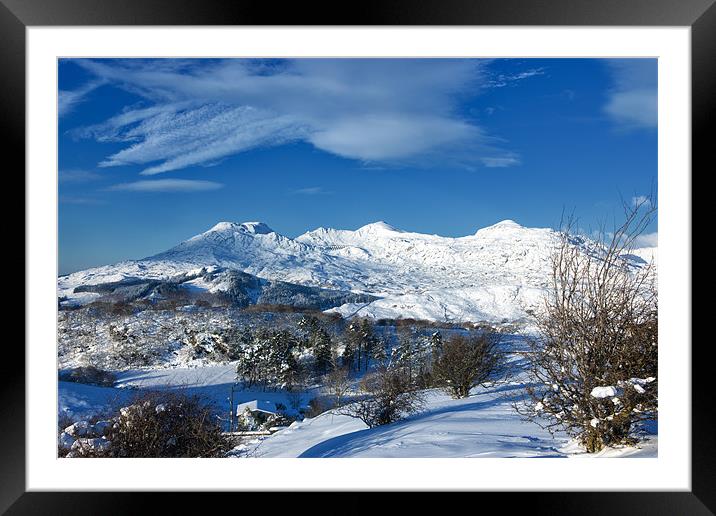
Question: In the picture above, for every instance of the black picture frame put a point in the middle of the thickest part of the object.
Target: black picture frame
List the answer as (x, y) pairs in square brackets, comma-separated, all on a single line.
[(700, 15)]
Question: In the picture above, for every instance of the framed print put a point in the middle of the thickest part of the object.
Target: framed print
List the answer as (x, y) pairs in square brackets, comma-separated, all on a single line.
[(409, 250)]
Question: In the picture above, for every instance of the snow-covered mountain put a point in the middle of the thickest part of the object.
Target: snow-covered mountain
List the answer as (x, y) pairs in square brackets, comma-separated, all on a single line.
[(499, 273)]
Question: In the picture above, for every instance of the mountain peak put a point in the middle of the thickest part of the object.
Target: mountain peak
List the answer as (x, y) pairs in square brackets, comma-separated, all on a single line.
[(507, 223), (379, 226), (223, 226), (503, 224), (258, 228)]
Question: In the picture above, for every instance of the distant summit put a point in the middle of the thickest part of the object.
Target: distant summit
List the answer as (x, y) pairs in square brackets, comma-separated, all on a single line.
[(379, 227), (258, 228)]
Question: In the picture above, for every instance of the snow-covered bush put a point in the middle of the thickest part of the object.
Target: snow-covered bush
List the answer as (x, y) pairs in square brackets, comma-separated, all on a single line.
[(594, 367), (85, 439), (159, 424), (248, 421), (257, 420), (167, 424)]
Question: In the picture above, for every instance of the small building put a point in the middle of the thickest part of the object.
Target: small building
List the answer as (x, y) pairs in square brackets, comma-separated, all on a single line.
[(257, 406), (256, 415)]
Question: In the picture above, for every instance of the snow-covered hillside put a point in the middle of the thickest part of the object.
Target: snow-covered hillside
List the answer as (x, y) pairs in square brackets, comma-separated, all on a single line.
[(482, 425), (497, 274)]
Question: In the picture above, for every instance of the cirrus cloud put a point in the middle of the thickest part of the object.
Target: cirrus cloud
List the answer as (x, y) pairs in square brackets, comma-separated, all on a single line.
[(166, 185), (397, 111)]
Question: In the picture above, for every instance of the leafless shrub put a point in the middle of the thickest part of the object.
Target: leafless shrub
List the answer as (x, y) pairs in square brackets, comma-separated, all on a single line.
[(294, 396), (337, 380), (467, 361), (316, 407), (167, 424), (599, 330), (388, 396)]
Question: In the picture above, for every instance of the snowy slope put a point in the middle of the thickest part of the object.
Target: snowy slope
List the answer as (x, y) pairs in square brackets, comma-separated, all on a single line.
[(482, 425), (496, 274)]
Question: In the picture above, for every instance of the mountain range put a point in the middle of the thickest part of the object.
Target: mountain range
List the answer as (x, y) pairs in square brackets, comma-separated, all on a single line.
[(497, 274)]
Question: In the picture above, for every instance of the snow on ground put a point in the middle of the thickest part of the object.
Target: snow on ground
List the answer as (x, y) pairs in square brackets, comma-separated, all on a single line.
[(212, 383), (79, 401), (482, 425), (464, 304), (645, 449)]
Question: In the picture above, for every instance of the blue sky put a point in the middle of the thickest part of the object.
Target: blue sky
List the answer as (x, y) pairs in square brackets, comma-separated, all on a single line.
[(152, 152)]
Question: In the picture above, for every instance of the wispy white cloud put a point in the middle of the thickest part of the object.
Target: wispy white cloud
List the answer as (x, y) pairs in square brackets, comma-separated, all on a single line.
[(507, 79), (371, 110), (167, 185), (311, 190), (67, 100), (77, 176), (64, 199), (500, 162), (632, 102)]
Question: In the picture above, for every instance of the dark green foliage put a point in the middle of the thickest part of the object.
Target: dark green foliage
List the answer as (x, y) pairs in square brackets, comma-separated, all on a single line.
[(317, 339), (267, 358), (89, 375), (362, 343), (415, 353)]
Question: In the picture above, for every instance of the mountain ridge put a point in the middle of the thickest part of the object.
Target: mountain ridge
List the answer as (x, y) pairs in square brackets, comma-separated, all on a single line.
[(498, 273)]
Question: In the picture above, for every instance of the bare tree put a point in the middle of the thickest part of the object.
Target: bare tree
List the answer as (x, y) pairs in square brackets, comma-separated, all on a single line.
[(594, 366), (467, 361), (388, 396), (338, 379)]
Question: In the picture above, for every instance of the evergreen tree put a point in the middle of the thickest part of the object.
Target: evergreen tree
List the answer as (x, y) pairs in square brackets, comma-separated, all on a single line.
[(354, 345), (268, 359), (370, 341), (282, 366), (349, 355), (309, 325), (316, 339), (321, 350), (379, 351), (405, 351)]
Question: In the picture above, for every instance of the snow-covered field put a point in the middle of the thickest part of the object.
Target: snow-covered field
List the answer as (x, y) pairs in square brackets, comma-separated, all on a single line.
[(482, 425)]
